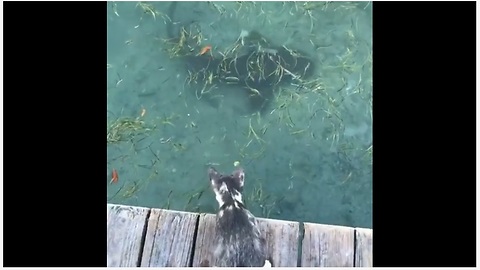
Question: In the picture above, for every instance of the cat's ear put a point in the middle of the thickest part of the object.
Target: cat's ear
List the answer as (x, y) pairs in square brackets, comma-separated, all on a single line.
[(213, 175), (239, 176)]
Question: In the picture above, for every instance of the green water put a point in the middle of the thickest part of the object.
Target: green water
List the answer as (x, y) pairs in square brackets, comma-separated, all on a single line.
[(307, 156)]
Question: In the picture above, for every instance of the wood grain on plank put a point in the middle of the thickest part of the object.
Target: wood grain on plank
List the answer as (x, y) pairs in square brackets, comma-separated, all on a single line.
[(169, 239), (327, 246), (204, 241), (282, 241), (125, 226), (363, 247)]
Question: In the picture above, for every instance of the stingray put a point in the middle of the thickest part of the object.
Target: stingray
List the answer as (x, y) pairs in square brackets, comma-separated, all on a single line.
[(252, 65)]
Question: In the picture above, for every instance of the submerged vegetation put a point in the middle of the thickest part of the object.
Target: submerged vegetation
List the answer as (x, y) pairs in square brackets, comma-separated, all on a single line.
[(125, 129), (307, 94)]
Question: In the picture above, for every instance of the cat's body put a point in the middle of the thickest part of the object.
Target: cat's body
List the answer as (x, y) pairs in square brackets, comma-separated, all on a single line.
[(238, 241)]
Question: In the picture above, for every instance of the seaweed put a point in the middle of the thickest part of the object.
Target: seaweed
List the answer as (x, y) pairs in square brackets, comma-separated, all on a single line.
[(252, 64)]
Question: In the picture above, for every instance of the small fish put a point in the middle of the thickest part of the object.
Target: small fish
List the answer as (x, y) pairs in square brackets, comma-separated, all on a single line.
[(205, 49), (114, 177)]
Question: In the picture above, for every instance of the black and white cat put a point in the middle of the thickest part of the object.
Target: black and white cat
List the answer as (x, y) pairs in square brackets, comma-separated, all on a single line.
[(238, 241)]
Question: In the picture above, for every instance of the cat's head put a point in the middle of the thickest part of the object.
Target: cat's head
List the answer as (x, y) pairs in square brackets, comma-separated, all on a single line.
[(227, 188)]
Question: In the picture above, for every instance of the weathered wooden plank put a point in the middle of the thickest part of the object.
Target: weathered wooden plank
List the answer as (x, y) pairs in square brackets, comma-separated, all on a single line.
[(204, 241), (327, 246), (363, 247), (169, 239), (125, 227), (281, 236), (282, 241)]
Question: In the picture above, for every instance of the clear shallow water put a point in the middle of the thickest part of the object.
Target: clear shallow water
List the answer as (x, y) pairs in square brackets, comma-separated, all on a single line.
[(307, 156)]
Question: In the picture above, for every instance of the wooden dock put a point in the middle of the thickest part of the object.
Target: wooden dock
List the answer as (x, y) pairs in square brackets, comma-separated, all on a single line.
[(149, 237)]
